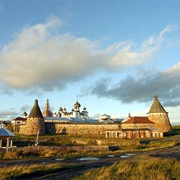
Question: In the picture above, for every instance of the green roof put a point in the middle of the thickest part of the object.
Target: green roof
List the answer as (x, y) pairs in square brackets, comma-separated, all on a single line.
[(36, 112), (156, 107)]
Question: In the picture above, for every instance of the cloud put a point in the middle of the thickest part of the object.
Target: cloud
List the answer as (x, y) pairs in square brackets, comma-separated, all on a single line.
[(40, 58), (142, 88), (168, 28), (25, 108), (12, 113), (8, 113)]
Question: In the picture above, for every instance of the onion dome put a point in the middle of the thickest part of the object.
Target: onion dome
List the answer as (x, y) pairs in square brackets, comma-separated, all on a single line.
[(77, 105), (84, 109), (25, 114), (64, 109), (60, 109)]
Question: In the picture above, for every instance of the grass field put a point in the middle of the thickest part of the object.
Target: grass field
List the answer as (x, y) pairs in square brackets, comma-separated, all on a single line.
[(31, 170), (151, 169)]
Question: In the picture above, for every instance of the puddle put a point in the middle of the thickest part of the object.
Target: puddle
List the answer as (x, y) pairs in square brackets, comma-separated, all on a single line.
[(88, 159), (110, 156), (59, 159), (124, 156), (130, 154)]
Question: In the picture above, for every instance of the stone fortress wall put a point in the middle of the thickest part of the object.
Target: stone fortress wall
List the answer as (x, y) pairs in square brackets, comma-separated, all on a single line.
[(158, 117), (79, 128)]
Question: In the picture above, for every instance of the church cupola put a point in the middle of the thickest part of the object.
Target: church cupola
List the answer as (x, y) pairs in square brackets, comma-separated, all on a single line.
[(25, 114), (77, 105)]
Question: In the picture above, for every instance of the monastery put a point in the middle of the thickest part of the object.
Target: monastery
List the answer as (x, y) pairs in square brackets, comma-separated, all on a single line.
[(77, 122), (75, 115)]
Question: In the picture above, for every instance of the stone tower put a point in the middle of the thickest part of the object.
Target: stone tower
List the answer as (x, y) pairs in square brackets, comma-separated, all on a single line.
[(35, 121), (47, 112), (159, 116)]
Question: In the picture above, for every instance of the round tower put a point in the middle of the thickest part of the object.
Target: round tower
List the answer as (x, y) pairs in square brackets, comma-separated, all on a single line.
[(35, 121), (159, 116)]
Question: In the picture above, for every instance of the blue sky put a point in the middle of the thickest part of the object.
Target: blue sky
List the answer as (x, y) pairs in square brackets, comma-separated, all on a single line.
[(114, 56)]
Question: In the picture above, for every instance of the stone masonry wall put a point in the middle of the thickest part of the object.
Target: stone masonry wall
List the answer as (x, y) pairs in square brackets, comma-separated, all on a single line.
[(161, 121), (32, 127), (80, 129)]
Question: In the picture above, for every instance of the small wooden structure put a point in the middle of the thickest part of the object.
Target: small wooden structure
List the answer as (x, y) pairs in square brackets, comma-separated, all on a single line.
[(6, 135)]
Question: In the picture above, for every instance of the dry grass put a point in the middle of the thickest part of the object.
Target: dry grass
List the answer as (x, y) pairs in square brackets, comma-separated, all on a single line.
[(163, 169), (159, 169), (34, 151), (16, 171)]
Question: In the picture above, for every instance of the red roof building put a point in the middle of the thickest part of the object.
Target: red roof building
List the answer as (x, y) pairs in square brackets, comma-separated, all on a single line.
[(138, 120)]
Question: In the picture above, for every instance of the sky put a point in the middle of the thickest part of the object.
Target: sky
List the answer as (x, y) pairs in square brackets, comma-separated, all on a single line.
[(113, 56)]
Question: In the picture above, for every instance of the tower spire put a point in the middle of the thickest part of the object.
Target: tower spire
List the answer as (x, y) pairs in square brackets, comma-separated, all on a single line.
[(47, 112), (156, 107)]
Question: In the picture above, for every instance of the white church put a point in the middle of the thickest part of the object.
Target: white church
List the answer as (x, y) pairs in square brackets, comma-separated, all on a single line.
[(75, 115)]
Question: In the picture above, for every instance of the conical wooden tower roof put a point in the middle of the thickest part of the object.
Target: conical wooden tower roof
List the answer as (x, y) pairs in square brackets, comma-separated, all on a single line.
[(35, 112), (156, 107)]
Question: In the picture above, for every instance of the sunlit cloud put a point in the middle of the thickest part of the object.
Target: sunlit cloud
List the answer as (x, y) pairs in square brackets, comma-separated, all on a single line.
[(40, 58)]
